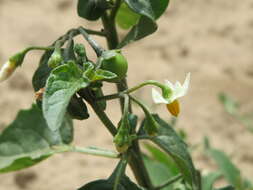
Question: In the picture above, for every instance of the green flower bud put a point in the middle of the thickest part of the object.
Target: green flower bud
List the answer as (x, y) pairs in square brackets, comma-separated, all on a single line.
[(55, 59), (114, 62), (123, 139), (80, 50)]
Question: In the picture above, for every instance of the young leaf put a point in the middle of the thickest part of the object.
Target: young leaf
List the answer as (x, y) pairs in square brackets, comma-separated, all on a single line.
[(62, 84), (28, 140), (101, 74), (170, 142), (125, 17)]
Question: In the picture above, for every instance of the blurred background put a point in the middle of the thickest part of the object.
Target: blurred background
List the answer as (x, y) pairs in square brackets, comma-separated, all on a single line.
[(212, 39)]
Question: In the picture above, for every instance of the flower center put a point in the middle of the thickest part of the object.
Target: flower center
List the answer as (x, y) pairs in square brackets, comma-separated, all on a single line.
[(174, 108)]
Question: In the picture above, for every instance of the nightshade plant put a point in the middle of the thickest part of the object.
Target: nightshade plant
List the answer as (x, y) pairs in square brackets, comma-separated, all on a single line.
[(67, 79)]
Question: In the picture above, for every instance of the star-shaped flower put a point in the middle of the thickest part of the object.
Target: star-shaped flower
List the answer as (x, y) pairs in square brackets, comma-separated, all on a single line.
[(178, 91)]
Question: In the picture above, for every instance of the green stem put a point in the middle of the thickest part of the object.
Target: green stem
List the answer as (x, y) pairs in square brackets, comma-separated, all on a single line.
[(104, 118), (112, 42), (135, 158), (130, 90), (74, 32), (110, 97), (149, 82), (115, 10), (169, 182), (143, 107), (97, 48), (87, 150), (38, 48), (121, 171), (96, 152)]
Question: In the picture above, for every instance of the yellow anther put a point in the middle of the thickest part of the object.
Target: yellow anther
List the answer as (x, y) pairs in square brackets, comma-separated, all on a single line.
[(174, 108)]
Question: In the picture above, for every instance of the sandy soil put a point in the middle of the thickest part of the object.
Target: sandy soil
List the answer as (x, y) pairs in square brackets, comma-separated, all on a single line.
[(212, 39)]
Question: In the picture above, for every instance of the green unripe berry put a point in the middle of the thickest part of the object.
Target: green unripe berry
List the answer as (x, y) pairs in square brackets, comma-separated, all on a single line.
[(114, 62)]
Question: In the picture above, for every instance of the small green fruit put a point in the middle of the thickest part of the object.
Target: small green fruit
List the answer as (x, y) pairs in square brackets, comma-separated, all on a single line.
[(114, 62)]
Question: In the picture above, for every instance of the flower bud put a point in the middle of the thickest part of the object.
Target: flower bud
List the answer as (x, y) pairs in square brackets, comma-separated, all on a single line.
[(80, 50), (123, 139), (10, 66), (55, 59)]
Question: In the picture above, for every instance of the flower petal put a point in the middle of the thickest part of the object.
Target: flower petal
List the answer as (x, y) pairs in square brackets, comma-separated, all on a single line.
[(169, 84), (158, 98), (186, 83)]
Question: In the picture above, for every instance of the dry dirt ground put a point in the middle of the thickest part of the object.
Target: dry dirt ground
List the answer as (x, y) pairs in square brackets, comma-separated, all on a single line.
[(212, 39)]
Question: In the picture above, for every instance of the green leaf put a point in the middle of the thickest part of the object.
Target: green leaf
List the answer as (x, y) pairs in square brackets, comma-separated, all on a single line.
[(125, 17), (143, 28), (91, 9), (101, 74), (149, 10), (100, 184), (62, 84), (159, 7), (163, 158), (209, 180), (141, 7), (170, 142), (28, 140), (228, 169), (108, 184), (157, 171), (43, 71)]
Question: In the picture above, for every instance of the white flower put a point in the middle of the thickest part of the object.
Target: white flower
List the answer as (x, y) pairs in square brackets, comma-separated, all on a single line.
[(178, 91), (7, 69)]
